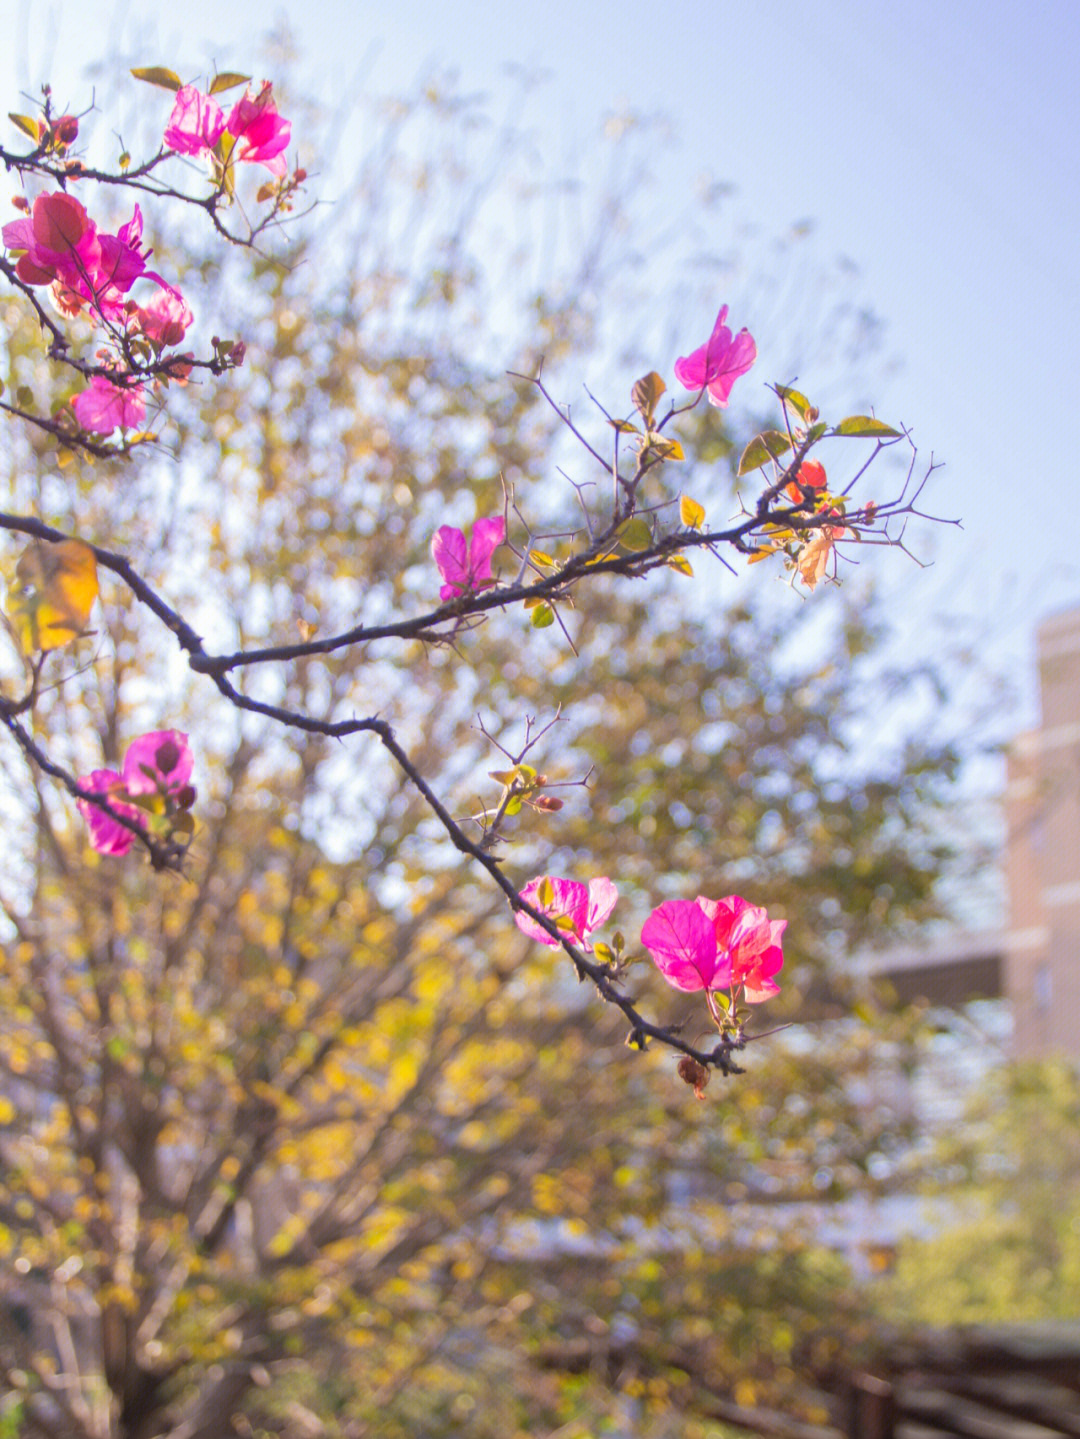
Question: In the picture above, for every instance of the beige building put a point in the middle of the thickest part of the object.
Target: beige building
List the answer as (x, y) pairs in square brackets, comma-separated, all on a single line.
[(1041, 976)]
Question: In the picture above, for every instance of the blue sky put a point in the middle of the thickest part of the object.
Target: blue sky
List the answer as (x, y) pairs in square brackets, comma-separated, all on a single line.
[(934, 144)]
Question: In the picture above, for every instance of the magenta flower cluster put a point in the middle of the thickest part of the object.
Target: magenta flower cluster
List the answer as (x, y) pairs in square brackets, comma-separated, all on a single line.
[(260, 135), (88, 270), (704, 944), (158, 763)]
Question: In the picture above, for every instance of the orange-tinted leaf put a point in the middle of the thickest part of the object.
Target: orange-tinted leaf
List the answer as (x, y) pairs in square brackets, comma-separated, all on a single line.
[(646, 395), (54, 591), (663, 448)]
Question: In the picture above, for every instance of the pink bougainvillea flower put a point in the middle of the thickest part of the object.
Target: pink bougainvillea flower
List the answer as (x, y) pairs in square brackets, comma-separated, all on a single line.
[(164, 321), (681, 937), (751, 942), (195, 124), (106, 835), (156, 763), (123, 261), (261, 134), (104, 406), (586, 908), (467, 566), (63, 248), (59, 241), (717, 365), (716, 944)]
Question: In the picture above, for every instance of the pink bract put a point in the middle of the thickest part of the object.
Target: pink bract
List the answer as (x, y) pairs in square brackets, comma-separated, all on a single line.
[(586, 907), (716, 944), (60, 241), (464, 566), (158, 763), (261, 133), (681, 938), (752, 942), (104, 406), (63, 246), (106, 835), (164, 321), (195, 124), (718, 364)]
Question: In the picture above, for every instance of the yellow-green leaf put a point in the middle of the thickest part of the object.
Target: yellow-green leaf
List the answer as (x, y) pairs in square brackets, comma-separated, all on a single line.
[(227, 80), (681, 565), (624, 427), (769, 445), (798, 401), (634, 534), (542, 616), (866, 427), (691, 513), (26, 125), (538, 557), (545, 893), (663, 448), (158, 75), (54, 591)]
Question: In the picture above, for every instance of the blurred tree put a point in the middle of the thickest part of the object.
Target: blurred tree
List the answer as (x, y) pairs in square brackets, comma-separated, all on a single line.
[(1009, 1178), (311, 1140)]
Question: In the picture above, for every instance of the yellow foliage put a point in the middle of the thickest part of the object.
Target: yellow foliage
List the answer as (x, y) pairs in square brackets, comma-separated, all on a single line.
[(53, 592)]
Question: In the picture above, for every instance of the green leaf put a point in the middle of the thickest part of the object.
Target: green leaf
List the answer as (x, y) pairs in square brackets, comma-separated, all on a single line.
[(26, 125), (513, 806), (798, 401), (866, 427), (227, 80), (634, 535), (542, 616), (646, 395), (769, 445), (158, 75), (815, 432)]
